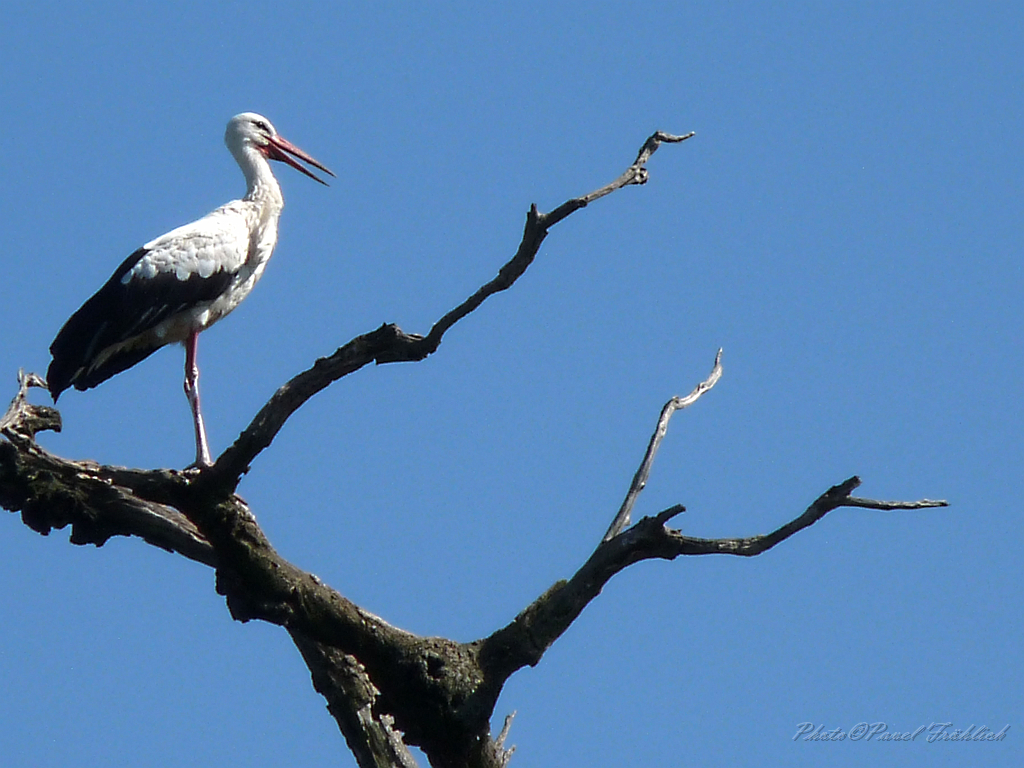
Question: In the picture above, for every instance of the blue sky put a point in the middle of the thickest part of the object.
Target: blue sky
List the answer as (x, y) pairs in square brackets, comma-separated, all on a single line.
[(846, 225)]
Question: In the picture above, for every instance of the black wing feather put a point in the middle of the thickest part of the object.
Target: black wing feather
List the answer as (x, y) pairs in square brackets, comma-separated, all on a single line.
[(117, 312)]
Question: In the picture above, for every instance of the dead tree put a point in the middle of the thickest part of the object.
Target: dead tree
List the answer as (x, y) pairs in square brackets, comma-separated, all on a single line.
[(385, 687)]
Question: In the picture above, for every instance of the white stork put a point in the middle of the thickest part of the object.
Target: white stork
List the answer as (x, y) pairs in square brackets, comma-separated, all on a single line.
[(180, 284)]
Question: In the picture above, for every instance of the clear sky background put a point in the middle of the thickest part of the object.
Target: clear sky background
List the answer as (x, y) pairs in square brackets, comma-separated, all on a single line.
[(847, 224)]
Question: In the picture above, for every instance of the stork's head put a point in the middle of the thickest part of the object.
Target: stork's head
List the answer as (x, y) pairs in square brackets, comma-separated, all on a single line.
[(251, 130)]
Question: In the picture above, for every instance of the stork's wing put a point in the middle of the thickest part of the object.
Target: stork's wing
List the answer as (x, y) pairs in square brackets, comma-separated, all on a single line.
[(180, 272)]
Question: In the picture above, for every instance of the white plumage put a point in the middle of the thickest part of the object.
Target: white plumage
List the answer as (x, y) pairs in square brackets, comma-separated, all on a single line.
[(181, 283)]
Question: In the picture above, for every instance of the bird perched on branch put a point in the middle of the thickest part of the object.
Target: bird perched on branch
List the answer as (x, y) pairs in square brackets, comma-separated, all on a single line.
[(181, 283)]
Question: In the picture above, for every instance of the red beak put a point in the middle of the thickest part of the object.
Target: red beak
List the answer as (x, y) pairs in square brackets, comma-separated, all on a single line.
[(277, 149)]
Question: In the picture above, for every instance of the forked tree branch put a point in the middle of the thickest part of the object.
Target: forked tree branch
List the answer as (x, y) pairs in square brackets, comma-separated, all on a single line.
[(378, 679), (386, 688), (525, 640)]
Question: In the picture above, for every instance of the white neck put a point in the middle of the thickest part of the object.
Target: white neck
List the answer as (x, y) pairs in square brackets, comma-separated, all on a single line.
[(262, 187)]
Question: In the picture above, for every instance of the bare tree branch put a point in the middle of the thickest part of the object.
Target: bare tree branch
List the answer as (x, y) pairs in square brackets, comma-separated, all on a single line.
[(51, 492), (537, 227), (635, 174), (389, 344), (524, 641), (622, 519), (889, 506)]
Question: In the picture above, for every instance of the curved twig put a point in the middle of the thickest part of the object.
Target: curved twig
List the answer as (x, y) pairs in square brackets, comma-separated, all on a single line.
[(640, 478)]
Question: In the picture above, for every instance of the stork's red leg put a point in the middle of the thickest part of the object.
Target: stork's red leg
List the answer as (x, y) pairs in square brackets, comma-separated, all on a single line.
[(192, 393)]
